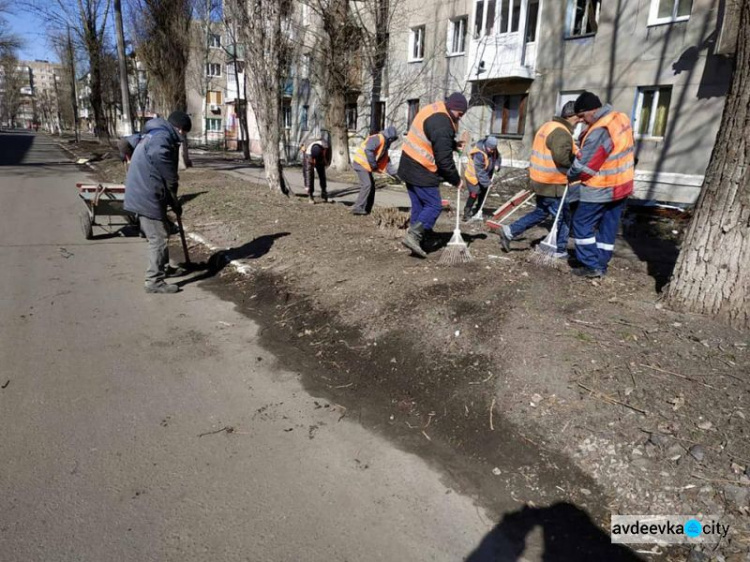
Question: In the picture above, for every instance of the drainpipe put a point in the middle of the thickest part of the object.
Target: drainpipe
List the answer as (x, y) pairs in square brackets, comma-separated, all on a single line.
[(525, 20)]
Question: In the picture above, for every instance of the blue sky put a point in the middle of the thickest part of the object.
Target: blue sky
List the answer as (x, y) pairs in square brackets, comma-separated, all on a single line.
[(32, 30)]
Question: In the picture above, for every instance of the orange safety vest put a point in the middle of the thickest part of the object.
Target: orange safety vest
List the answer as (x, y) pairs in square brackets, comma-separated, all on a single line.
[(542, 167), (416, 144), (381, 156), (618, 169), (471, 173)]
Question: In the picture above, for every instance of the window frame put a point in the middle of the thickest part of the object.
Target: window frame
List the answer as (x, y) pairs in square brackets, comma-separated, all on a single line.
[(409, 116), (450, 47), (656, 90), (304, 117), (483, 30), (216, 94), (286, 113), (214, 44), (416, 32), (351, 109), (654, 19), (570, 19), (522, 106), (210, 129), (211, 66)]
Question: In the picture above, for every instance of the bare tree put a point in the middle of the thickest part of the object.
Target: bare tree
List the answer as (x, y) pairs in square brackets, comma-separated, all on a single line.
[(163, 43), (88, 20), (8, 41), (259, 23), (12, 82), (334, 48), (712, 275), (123, 68), (235, 57)]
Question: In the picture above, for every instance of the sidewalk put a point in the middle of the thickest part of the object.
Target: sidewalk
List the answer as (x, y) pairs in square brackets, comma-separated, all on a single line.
[(387, 195)]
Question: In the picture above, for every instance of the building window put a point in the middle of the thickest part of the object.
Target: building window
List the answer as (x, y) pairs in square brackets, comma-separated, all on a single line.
[(510, 16), (286, 113), (213, 69), (416, 44), (412, 108), (351, 115), (214, 98), (532, 19), (484, 17), (214, 41), (651, 111), (213, 125), (669, 11), (303, 114), (583, 17), (508, 114), (457, 36)]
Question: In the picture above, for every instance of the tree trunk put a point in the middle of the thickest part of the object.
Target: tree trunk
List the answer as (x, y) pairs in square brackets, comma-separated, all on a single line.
[(123, 66), (339, 136), (379, 58), (712, 275), (100, 118)]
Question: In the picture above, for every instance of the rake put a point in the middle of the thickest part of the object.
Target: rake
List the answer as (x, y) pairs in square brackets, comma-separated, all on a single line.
[(457, 251), (478, 216), (544, 253)]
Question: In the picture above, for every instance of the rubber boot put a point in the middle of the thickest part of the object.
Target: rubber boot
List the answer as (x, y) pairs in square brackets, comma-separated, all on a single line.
[(413, 240), (468, 209)]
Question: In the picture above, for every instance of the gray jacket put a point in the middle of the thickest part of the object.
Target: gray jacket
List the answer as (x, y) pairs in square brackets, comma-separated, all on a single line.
[(153, 170)]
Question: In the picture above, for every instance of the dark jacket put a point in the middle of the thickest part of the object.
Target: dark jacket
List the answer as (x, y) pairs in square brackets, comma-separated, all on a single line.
[(439, 130), (153, 170), (560, 144), (484, 175)]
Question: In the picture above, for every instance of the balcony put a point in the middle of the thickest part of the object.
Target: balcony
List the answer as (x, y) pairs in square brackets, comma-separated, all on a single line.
[(504, 40)]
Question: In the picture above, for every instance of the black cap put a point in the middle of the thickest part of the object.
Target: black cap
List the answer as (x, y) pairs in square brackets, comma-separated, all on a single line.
[(181, 120), (457, 102), (586, 102)]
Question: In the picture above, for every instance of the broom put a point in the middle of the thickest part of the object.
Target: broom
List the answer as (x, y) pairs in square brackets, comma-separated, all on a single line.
[(457, 251), (544, 253)]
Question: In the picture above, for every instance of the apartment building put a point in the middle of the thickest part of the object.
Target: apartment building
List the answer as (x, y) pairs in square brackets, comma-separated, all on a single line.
[(519, 61)]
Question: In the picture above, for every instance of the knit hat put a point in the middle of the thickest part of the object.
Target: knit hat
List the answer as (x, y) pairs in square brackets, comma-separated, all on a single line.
[(390, 132), (491, 143), (457, 102), (586, 102), (180, 120), (568, 110)]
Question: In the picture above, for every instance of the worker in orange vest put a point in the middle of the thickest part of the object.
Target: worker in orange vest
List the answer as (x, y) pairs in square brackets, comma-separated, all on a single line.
[(483, 160), (552, 154), (372, 156), (426, 161), (605, 166)]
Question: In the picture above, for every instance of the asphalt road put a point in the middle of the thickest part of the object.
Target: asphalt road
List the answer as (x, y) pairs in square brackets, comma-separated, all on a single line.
[(105, 391)]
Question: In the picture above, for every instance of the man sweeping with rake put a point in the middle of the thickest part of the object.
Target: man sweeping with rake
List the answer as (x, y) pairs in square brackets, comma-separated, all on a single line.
[(427, 160), (552, 154)]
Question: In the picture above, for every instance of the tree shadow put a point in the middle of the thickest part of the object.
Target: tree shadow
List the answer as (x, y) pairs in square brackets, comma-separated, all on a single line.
[(659, 253), (436, 241), (253, 250), (15, 146), (190, 196), (568, 532)]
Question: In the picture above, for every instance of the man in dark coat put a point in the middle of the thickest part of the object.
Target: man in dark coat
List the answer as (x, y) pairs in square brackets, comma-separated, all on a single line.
[(151, 185)]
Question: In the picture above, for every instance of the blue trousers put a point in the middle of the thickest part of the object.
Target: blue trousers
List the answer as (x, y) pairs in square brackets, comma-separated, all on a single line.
[(546, 206), (426, 205), (594, 231)]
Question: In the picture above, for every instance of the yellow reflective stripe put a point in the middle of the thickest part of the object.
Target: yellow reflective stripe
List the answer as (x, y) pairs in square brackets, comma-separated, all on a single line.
[(421, 151)]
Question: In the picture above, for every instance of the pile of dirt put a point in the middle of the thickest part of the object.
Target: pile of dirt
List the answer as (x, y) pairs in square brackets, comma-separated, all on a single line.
[(596, 378)]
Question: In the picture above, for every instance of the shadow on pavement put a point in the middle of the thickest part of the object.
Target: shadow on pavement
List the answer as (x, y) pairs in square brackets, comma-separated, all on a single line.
[(253, 250), (14, 146), (568, 532)]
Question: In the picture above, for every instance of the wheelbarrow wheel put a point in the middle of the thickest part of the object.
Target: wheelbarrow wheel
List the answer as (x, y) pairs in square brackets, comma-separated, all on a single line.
[(87, 225)]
